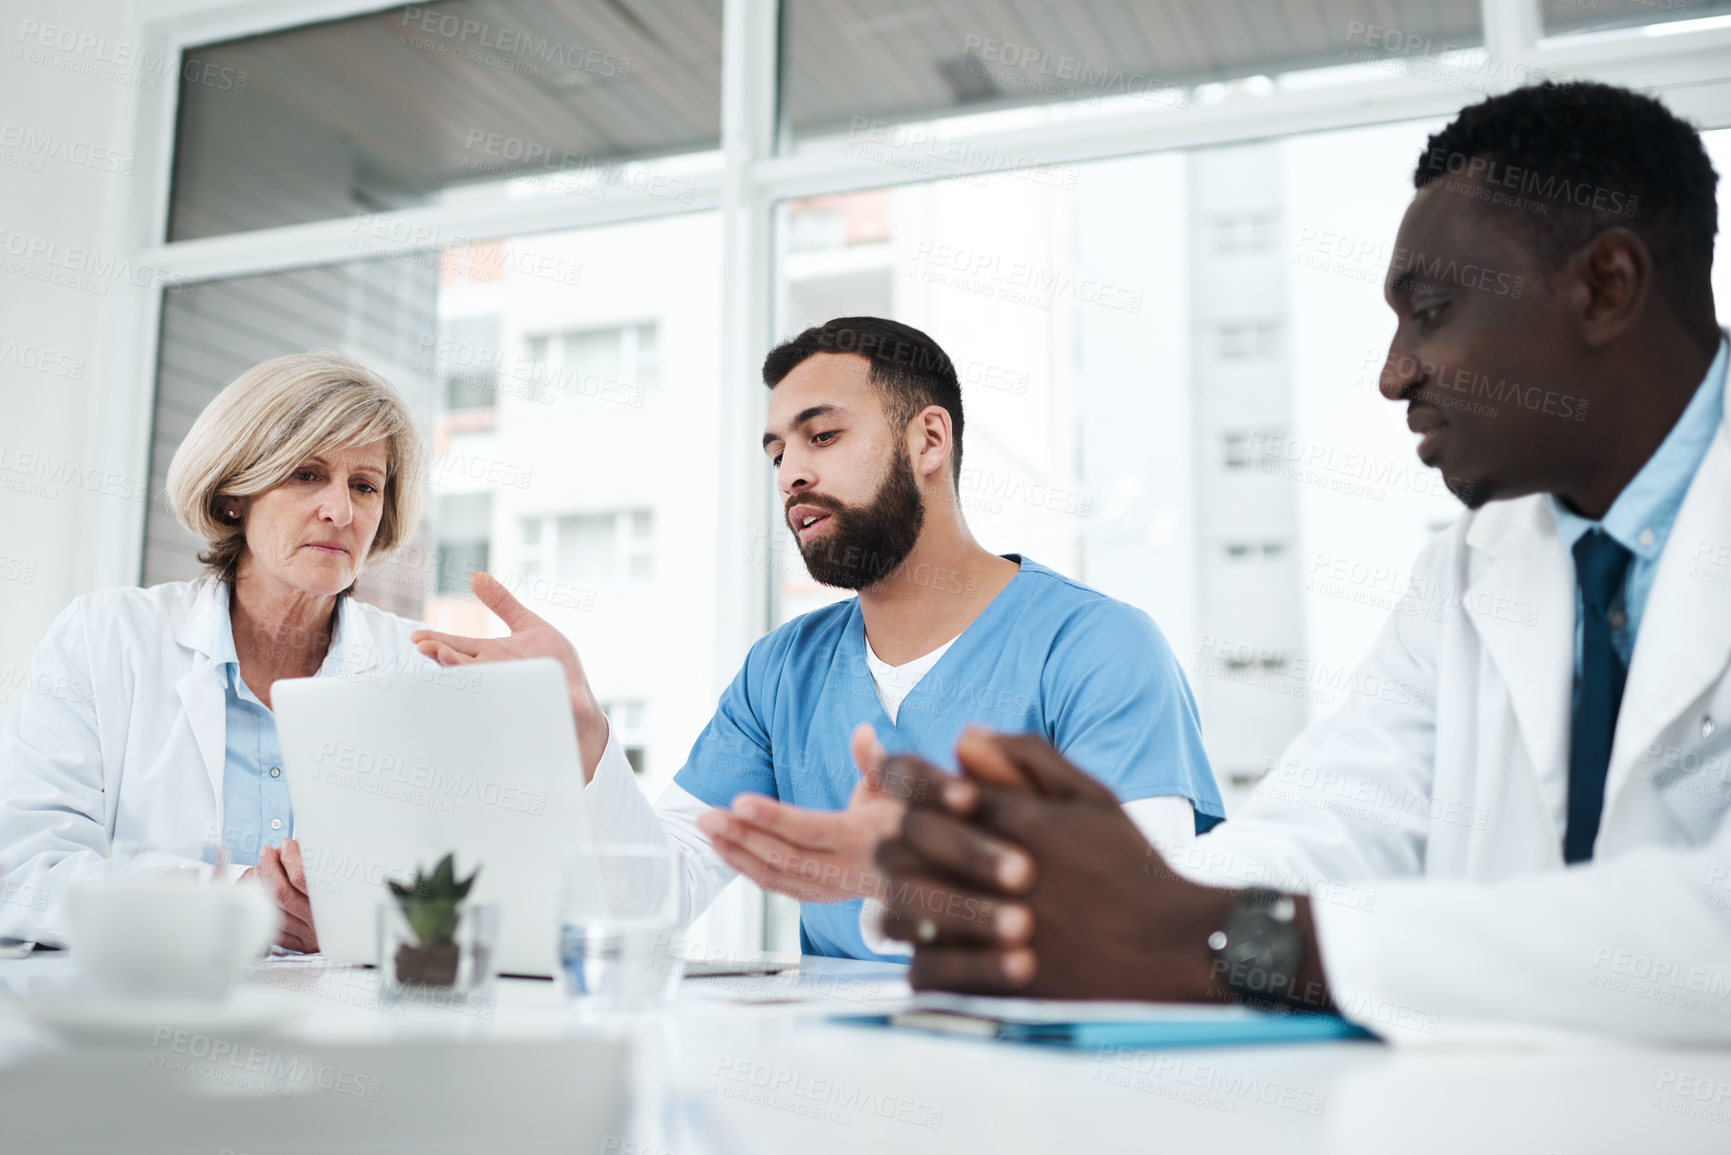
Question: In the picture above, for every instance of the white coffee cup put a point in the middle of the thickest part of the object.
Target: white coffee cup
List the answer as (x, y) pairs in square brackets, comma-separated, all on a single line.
[(162, 936)]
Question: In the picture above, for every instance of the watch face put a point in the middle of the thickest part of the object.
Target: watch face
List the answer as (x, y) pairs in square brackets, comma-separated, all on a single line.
[(1261, 954)]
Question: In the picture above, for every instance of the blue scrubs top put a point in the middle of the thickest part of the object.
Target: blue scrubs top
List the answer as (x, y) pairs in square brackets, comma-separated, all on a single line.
[(1048, 655)]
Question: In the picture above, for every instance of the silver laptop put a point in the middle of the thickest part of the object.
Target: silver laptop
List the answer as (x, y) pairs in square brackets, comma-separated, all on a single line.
[(389, 773)]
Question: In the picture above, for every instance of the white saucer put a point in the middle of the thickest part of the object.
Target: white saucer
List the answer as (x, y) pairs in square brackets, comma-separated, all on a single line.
[(84, 1018)]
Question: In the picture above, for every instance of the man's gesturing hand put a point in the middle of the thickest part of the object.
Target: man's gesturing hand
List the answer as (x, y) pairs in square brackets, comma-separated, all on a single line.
[(813, 855), (279, 869), (1081, 906), (531, 637)]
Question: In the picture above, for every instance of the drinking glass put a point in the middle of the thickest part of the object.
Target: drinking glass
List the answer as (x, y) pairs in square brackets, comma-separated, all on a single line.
[(618, 911)]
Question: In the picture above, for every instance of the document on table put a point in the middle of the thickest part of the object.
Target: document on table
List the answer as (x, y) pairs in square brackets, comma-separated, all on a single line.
[(1095, 1025)]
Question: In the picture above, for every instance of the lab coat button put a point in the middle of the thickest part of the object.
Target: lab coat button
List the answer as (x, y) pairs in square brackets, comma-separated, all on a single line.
[(276, 824), (276, 771), (1707, 726)]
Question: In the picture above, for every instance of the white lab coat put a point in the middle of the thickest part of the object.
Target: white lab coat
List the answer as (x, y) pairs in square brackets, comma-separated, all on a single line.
[(1426, 814), (121, 735)]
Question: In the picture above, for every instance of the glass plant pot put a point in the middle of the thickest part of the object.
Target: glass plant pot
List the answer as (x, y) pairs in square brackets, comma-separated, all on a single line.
[(456, 974)]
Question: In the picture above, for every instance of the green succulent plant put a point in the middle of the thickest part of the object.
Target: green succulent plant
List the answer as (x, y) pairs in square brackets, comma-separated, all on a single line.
[(432, 902)]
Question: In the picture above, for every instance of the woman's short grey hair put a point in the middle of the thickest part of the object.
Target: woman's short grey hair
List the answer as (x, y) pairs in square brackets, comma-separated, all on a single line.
[(268, 422)]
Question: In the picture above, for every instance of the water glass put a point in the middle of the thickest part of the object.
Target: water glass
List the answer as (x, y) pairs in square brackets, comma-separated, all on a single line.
[(618, 912)]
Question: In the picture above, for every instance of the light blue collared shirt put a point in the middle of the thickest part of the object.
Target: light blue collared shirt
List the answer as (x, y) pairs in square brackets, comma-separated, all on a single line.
[(1642, 515), (255, 796)]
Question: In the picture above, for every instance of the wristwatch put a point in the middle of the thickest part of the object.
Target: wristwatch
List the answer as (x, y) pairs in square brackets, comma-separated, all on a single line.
[(1259, 948)]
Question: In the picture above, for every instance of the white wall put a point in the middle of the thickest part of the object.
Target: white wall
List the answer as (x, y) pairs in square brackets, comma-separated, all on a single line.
[(56, 523)]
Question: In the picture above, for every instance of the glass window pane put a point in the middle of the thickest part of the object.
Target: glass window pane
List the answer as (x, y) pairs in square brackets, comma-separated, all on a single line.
[(469, 375), (848, 66), (561, 487), (466, 517), (401, 107), (1564, 16), (648, 368), (588, 548), (1169, 384), (592, 362), (462, 531)]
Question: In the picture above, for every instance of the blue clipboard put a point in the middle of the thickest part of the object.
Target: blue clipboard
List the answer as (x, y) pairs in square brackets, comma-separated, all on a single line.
[(1101, 1026)]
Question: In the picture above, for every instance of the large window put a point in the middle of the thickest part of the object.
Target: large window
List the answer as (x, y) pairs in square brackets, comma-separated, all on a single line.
[(402, 108), (1169, 370)]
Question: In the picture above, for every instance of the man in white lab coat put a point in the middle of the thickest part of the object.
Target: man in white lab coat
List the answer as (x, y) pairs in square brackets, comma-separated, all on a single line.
[(1533, 830)]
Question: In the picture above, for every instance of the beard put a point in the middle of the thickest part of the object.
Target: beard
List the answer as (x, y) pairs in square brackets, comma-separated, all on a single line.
[(865, 543)]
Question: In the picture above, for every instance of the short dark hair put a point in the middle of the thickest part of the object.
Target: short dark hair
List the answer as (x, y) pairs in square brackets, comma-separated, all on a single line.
[(1590, 156), (905, 363)]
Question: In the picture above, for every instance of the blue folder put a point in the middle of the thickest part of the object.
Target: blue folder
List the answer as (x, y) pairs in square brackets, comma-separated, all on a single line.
[(1100, 1026)]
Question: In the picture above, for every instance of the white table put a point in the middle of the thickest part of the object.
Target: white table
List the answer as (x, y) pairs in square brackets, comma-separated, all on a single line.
[(717, 1074)]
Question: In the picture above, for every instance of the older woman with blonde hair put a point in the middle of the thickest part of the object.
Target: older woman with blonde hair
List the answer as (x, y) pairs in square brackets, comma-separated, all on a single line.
[(148, 718)]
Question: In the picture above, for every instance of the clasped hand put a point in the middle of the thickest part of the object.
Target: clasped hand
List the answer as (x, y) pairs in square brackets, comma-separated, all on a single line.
[(1025, 876)]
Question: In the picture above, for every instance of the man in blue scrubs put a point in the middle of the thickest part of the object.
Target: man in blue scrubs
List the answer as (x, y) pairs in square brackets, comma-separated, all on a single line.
[(865, 435)]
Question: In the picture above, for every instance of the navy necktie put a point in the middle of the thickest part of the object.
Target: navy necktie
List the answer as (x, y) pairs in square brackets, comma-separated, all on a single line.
[(1600, 563)]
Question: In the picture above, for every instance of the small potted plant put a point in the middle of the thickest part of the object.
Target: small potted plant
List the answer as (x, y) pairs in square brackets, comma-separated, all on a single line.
[(433, 906)]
